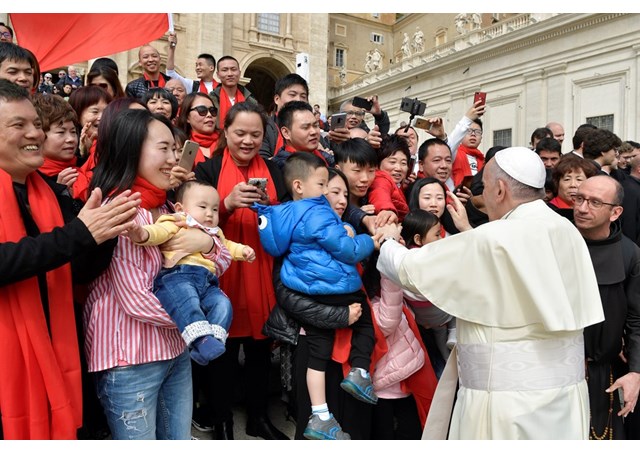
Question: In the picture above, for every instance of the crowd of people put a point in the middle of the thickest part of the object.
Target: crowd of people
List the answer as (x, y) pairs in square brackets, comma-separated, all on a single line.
[(142, 294)]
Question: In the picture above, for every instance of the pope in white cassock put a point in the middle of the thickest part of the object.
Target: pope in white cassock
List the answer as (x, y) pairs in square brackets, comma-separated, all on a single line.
[(522, 288)]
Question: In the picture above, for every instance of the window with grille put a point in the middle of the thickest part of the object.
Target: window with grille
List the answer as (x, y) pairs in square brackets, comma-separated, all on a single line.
[(339, 57), (269, 22), (502, 137), (377, 38), (602, 122)]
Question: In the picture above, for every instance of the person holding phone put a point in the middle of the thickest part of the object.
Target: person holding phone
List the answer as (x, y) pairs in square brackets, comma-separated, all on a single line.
[(249, 286), (198, 119)]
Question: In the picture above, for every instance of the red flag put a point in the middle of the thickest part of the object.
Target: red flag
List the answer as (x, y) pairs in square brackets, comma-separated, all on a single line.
[(63, 39)]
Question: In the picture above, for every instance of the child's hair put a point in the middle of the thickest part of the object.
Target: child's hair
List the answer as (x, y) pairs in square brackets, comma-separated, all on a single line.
[(299, 166), (417, 222), (357, 151), (180, 191)]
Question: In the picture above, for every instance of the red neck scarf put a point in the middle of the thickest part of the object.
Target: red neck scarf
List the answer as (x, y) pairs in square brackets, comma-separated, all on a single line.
[(460, 167), (225, 105), (152, 197), (560, 203), (291, 149), (248, 285), (85, 173), (53, 167), (40, 388), (160, 83), (206, 141)]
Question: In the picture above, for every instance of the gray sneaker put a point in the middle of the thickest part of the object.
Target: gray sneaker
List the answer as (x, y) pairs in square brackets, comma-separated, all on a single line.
[(324, 429), (361, 388)]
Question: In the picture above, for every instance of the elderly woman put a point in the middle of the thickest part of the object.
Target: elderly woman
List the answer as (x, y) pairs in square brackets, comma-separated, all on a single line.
[(567, 176), (248, 285)]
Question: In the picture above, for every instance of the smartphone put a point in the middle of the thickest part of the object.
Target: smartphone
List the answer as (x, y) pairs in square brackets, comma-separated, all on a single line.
[(480, 96), (260, 183), (621, 397), (466, 182), (189, 151), (421, 123), (363, 103), (338, 121)]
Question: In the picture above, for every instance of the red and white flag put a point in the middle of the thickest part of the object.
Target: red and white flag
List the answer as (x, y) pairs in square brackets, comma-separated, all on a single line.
[(63, 39)]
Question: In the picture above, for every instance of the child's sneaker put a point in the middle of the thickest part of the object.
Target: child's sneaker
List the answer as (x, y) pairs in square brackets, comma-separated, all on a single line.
[(324, 429), (358, 384), (451, 338)]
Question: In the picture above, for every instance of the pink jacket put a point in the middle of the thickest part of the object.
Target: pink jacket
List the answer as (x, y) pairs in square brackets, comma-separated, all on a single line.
[(405, 355)]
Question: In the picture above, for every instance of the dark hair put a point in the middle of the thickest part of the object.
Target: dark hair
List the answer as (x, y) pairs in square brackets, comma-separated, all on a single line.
[(185, 110), (300, 166), (599, 142), (117, 167), (33, 61), (540, 133), (549, 144), (162, 94), (13, 52), (228, 57), (53, 110), (109, 115), (581, 132), (209, 58), (478, 121), (180, 191), (417, 222), (84, 97), (2, 24), (491, 152), (414, 196), (240, 107), (390, 145), (104, 62), (571, 162), (110, 76), (179, 136), (357, 151), (285, 115), (288, 81), (634, 144), (423, 151), (10, 92)]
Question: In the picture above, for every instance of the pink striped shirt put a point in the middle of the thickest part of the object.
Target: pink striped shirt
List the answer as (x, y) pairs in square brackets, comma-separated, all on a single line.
[(124, 321)]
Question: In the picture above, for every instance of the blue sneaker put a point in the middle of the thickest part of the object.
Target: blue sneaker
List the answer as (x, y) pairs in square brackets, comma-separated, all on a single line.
[(361, 388), (318, 429)]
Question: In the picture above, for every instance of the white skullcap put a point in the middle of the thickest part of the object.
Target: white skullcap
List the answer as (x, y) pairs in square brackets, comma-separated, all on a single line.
[(523, 165)]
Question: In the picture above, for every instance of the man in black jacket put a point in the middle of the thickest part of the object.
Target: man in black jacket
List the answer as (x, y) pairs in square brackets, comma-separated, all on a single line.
[(616, 260), (149, 59)]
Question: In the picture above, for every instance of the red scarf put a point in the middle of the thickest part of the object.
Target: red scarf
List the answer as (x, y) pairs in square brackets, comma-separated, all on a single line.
[(560, 203), (421, 384), (225, 105), (207, 141), (40, 386), (160, 83), (152, 197), (248, 285), (461, 167), (53, 167), (85, 173)]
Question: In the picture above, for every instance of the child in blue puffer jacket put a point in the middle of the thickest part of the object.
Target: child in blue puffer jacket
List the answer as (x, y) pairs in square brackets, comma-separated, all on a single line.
[(320, 256)]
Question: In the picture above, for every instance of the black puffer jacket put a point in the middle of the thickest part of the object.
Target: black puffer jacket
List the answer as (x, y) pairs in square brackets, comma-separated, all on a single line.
[(294, 308)]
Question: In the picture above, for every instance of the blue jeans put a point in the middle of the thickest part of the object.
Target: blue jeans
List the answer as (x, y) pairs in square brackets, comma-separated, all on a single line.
[(149, 401), (193, 299)]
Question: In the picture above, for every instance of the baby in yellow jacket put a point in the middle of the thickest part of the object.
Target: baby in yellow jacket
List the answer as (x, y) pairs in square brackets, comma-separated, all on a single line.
[(188, 286)]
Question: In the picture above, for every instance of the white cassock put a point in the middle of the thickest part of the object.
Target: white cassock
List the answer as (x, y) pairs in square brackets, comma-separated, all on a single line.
[(522, 289)]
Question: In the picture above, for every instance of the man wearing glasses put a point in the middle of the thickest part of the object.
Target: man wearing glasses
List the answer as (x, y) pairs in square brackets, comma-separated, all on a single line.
[(355, 116), (6, 33), (616, 261)]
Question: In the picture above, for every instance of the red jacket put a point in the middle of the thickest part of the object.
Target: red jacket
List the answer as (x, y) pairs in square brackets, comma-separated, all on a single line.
[(385, 195)]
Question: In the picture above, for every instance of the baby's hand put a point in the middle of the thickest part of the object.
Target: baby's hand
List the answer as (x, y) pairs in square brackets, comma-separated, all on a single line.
[(248, 254), (137, 234), (350, 231), (355, 311)]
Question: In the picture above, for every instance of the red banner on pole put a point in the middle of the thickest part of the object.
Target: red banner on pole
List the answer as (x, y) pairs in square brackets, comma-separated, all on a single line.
[(63, 39)]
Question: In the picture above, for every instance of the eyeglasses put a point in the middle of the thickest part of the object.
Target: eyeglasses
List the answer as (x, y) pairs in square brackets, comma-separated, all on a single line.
[(475, 132), (202, 110), (5, 34), (359, 113), (591, 202)]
